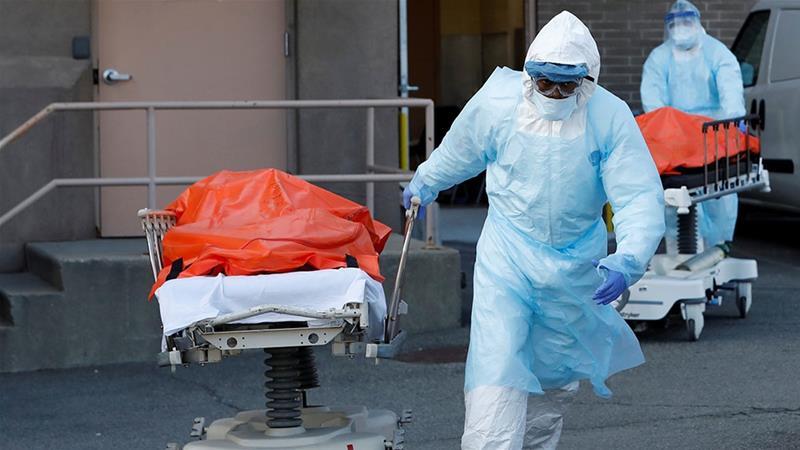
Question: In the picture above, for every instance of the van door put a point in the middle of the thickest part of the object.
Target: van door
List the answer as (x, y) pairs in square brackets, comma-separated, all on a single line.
[(767, 48)]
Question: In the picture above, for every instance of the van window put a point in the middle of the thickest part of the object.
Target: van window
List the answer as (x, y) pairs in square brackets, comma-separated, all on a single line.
[(784, 64), (749, 45)]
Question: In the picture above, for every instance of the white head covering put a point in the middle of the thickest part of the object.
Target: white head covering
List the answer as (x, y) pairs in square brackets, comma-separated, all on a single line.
[(563, 40)]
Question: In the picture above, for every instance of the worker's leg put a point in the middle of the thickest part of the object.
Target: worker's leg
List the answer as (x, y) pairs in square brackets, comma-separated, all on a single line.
[(717, 219), (545, 417), (498, 374), (495, 418)]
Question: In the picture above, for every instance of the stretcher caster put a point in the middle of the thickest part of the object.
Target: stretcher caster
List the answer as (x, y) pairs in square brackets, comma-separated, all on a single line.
[(692, 329), (744, 298), (693, 315)]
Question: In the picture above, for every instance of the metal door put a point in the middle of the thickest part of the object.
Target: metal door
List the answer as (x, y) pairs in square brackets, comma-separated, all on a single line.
[(186, 50)]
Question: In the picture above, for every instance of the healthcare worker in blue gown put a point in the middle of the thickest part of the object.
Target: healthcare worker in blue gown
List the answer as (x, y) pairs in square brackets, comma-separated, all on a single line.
[(697, 74), (555, 146)]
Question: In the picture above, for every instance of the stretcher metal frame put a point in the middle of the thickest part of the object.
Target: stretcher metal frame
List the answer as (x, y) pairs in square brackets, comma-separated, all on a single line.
[(319, 428), (689, 277)]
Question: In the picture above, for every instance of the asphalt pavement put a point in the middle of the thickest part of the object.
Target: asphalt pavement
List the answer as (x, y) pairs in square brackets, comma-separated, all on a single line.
[(736, 388)]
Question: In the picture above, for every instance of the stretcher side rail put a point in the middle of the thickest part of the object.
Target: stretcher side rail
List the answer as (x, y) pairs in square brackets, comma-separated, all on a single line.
[(726, 127), (748, 175), (344, 313)]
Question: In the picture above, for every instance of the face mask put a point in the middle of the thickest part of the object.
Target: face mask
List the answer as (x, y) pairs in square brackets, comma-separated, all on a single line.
[(554, 109), (684, 37)]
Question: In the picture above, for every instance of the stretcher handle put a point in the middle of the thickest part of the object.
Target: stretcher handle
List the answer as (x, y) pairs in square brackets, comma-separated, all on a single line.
[(394, 304)]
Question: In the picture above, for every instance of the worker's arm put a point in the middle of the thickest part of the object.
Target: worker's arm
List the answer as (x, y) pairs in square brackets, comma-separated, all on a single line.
[(634, 190), (728, 76), (654, 88), (464, 152)]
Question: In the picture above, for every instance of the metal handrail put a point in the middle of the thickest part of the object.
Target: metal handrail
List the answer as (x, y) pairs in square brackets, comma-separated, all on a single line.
[(151, 181)]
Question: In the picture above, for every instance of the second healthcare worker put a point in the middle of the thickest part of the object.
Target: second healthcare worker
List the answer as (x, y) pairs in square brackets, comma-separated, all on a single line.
[(697, 74)]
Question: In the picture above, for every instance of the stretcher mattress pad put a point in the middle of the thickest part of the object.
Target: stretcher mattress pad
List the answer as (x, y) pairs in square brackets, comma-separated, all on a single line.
[(186, 301)]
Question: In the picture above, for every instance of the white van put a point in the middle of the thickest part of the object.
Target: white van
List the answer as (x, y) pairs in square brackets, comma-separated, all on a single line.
[(768, 50)]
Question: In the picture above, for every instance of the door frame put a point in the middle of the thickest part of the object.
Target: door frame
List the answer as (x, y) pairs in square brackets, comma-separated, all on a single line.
[(292, 138), (530, 15)]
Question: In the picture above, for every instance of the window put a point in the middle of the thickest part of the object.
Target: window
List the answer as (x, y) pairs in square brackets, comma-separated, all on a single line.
[(784, 64), (749, 45)]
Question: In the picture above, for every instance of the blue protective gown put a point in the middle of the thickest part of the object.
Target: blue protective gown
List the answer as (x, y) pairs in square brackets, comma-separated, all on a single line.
[(706, 81), (534, 324)]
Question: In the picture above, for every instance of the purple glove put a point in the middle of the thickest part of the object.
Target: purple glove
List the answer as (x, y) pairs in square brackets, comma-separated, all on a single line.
[(611, 289), (407, 203), (742, 126)]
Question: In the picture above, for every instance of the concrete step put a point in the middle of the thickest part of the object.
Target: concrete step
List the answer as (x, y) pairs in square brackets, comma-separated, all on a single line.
[(85, 302), (29, 307), (61, 263), (22, 287)]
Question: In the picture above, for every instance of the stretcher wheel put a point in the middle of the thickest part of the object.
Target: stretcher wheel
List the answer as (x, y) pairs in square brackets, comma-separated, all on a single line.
[(692, 313), (744, 298), (741, 304), (692, 329)]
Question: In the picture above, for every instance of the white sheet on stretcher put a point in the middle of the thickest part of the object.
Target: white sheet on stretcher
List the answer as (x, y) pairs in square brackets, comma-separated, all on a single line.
[(186, 301)]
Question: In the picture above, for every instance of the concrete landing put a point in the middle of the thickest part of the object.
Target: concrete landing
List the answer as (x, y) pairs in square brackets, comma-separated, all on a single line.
[(84, 302)]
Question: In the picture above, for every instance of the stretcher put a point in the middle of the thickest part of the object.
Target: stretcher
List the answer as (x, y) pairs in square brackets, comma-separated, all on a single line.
[(208, 318), (687, 277)]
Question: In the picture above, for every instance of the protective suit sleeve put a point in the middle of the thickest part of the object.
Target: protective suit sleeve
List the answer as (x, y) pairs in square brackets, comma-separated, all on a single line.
[(463, 153), (653, 89), (634, 190), (728, 75)]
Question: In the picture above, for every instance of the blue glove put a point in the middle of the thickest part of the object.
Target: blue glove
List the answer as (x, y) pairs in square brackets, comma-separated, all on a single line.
[(742, 126), (611, 289), (407, 202)]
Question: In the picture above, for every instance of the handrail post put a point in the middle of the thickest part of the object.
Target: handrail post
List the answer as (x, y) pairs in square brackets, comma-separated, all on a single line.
[(370, 158), (430, 231), (151, 157)]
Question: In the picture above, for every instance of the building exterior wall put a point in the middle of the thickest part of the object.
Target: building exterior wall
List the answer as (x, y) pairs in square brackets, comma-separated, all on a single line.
[(344, 49), (627, 30), (348, 49), (36, 69)]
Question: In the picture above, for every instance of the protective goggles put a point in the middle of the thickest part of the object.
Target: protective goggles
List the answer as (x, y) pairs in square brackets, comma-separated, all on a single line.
[(682, 22), (681, 16), (549, 87), (550, 77)]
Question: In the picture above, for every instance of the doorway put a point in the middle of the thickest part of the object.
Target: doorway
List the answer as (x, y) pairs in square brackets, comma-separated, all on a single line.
[(187, 50), (454, 46)]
